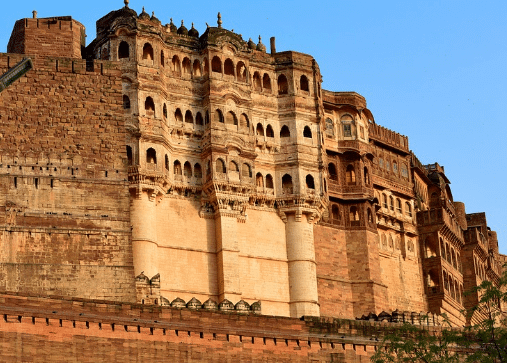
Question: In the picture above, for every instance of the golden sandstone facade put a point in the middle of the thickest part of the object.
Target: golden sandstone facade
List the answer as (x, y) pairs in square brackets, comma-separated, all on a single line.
[(159, 167)]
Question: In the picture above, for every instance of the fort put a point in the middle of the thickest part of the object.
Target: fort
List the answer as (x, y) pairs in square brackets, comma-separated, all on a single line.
[(166, 194)]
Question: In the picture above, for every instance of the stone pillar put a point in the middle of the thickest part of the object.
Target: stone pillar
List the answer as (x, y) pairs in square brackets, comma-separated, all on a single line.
[(144, 234), (302, 266), (228, 257)]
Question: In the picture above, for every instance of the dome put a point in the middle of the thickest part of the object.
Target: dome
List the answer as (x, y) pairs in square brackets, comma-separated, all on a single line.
[(193, 32), (144, 15), (173, 27), (261, 47), (251, 44), (182, 30), (154, 18)]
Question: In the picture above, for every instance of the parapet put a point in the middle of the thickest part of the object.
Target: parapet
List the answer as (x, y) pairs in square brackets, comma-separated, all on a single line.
[(388, 137), (50, 37)]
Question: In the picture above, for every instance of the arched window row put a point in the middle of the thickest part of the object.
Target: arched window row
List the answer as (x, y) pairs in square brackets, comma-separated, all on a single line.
[(259, 130), (264, 182), (185, 169), (234, 166), (227, 67)]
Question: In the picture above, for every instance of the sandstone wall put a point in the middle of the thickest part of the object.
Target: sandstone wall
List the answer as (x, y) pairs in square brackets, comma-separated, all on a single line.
[(50, 330), (64, 202)]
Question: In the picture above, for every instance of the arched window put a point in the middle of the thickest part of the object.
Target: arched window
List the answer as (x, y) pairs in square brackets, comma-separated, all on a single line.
[(216, 65), (333, 175), (123, 50), (269, 181), (307, 132), (404, 171), (395, 167), (177, 167), (220, 166), (228, 67), (370, 216), (384, 201), (233, 166), (246, 171), (206, 66), (259, 180), (162, 58), (231, 119), (126, 102), (243, 121), (187, 66), (304, 83), (287, 184), (164, 111), (260, 130), (354, 215), (283, 85), (266, 83), (329, 127), (197, 171), (269, 131), (398, 205), (219, 117), (149, 106), (189, 119), (391, 203), (366, 176), (176, 65), (178, 116), (335, 213), (129, 156), (347, 123), (187, 170), (285, 132), (408, 209), (166, 164), (148, 52), (257, 82), (241, 72), (196, 68), (350, 175), (198, 119), (151, 156), (206, 118), (310, 184)]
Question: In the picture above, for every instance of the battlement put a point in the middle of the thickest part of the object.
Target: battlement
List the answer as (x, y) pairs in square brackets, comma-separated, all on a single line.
[(388, 137), (51, 37)]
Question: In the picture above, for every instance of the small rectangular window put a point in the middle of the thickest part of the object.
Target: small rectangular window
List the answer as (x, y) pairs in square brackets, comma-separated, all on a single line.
[(36, 183)]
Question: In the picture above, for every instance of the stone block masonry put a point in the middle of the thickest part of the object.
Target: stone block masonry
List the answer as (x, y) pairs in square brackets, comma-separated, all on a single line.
[(64, 215)]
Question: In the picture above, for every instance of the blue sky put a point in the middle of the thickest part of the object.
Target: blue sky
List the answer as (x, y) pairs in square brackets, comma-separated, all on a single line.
[(432, 70)]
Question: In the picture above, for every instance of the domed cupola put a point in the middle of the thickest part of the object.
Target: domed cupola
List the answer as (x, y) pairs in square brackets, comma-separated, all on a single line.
[(173, 27), (193, 32), (182, 30), (261, 47), (154, 18), (251, 44), (144, 15)]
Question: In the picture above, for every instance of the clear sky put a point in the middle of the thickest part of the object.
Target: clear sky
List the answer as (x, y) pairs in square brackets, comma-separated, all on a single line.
[(435, 71)]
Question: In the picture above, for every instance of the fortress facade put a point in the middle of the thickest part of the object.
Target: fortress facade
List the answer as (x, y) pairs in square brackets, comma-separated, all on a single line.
[(159, 167)]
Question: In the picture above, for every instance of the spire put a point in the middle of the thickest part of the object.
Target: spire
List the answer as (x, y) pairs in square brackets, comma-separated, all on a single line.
[(219, 21)]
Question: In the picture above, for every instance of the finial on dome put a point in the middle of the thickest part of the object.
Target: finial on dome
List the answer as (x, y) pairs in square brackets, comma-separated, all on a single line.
[(207, 26), (219, 21), (143, 10), (182, 22), (126, 2), (260, 39), (34, 13), (153, 13)]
